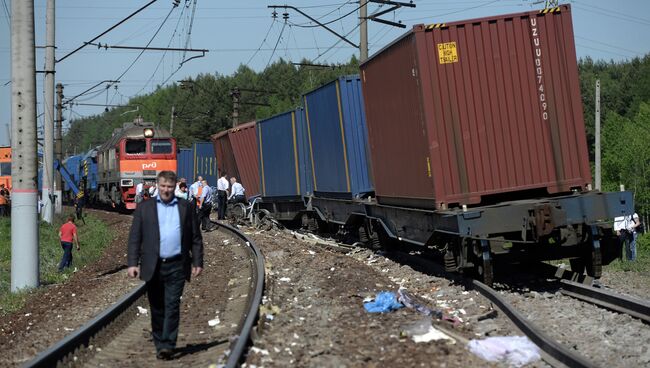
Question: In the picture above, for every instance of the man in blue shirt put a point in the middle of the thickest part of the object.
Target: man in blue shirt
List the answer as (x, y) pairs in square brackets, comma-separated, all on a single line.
[(205, 204), (165, 249)]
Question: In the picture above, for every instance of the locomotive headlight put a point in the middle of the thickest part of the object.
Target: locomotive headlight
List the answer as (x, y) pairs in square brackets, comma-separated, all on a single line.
[(148, 133)]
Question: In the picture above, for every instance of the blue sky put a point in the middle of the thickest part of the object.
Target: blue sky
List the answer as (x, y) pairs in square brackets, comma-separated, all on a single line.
[(233, 31)]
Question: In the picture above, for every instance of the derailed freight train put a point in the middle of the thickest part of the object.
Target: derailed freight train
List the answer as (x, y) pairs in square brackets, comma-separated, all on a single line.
[(468, 137)]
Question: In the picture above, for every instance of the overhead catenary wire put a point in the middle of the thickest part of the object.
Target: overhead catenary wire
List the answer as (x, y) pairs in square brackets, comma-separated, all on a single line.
[(262, 43), (148, 43), (276, 44), (164, 53), (108, 30)]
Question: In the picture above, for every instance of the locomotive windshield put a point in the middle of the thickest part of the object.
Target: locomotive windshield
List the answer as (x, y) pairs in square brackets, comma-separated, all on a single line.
[(136, 146), (161, 146)]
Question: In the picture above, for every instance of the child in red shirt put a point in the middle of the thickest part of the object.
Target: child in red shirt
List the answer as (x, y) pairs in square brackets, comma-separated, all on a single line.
[(68, 234)]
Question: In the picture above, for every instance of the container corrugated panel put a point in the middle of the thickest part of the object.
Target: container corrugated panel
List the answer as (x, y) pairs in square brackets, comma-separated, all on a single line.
[(337, 138), (237, 154), (283, 155), (225, 156), (185, 164), (244, 146), (304, 160), (205, 162), (462, 112)]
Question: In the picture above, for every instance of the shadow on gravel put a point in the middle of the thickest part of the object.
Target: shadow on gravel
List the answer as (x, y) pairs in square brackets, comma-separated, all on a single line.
[(195, 348)]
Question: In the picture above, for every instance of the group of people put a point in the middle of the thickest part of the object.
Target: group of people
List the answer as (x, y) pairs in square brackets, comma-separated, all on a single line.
[(5, 200), (200, 193), (628, 229)]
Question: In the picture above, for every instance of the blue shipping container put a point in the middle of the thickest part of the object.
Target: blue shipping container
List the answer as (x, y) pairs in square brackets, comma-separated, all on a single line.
[(285, 167), (336, 123), (185, 164), (197, 160), (205, 162)]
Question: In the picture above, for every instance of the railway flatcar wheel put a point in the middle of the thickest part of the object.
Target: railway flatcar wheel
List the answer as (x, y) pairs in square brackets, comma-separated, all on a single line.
[(483, 265), (238, 212), (263, 220)]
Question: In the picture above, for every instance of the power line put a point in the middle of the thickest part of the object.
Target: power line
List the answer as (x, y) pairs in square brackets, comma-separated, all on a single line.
[(457, 11), (165, 53), (148, 43), (261, 44), (108, 30), (276, 44)]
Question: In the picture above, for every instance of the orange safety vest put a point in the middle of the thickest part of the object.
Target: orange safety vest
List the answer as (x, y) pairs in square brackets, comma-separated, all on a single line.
[(198, 197)]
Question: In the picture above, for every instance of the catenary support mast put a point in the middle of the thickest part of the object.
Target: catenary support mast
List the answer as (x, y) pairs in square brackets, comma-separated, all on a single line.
[(24, 197), (48, 139)]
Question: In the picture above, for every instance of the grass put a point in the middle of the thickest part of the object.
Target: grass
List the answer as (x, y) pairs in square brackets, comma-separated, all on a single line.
[(93, 238), (642, 263)]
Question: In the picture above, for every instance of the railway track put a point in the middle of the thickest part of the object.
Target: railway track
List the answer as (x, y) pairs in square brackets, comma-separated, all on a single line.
[(554, 341), (218, 312), (608, 299)]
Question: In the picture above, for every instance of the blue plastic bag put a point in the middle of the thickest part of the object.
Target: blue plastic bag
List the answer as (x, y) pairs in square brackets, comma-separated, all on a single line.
[(385, 301)]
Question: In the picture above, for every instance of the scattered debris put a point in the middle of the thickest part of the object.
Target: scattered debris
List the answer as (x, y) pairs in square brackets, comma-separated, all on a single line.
[(142, 311), (516, 351), (385, 301), (214, 322)]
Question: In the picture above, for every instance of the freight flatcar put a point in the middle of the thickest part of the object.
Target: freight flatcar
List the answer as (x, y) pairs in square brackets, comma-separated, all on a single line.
[(135, 153), (477, 148)]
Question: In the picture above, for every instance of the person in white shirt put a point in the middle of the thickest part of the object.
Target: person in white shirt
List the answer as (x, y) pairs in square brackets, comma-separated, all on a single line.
[(139, 189), (178, 193), (153, 190), (237, 192), (222, 196), (626, 228)]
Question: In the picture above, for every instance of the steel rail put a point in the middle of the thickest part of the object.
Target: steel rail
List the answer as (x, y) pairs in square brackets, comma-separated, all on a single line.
[(83, 335), (239, 345), (549, 346), (636, 308)]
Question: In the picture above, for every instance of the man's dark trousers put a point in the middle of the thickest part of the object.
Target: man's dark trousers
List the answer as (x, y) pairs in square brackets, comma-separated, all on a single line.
[(222, 199), (204, 215), (66, 260), (164, 291)]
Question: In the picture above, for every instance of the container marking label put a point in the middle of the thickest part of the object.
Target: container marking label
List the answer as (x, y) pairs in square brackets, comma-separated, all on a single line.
[(539, 71), (447, 53)]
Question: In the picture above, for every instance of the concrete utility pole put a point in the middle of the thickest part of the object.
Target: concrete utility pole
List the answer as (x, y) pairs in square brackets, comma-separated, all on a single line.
[(598, 164), (171, 123), (235, 93), (48, 139), (58, 146), (363, 31), (24, 196)]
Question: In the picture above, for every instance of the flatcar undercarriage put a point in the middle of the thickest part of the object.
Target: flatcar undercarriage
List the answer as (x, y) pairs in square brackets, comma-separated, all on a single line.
[(576, 227)]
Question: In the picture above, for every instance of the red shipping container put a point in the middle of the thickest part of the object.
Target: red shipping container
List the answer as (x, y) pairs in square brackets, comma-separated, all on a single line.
[(465, 112), (237, 154)]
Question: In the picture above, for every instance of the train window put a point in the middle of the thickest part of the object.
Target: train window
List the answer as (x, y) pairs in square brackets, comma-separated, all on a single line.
[(161, 146), (136, 146), (5, 168)]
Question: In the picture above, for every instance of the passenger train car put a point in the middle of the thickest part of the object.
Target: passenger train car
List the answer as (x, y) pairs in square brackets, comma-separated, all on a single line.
[(467, 138), (135, 153)]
